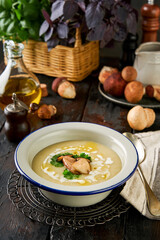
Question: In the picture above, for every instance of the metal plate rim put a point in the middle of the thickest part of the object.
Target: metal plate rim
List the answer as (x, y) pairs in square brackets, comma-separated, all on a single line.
[(123, 101)]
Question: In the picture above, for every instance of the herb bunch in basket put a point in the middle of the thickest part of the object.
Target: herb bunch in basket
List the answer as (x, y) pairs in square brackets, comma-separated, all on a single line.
[(103, 20), (20, 20)]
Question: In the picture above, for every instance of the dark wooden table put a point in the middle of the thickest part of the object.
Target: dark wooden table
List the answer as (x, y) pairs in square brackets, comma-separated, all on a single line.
[(88, 106)]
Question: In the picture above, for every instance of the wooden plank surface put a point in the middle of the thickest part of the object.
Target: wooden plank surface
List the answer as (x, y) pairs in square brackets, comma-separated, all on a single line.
[(89, 106), (13, 224)]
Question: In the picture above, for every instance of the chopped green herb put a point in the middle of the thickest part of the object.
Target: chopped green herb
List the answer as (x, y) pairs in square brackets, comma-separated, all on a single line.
[(69, 175), (75, 156), (58, 163), (83, 155)]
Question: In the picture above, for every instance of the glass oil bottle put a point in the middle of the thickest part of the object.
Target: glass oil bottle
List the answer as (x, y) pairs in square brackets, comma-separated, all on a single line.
[(17, 79)]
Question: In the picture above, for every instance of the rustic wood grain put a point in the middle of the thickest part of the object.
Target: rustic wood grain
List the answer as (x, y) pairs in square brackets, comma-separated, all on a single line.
[(138, 227), (88, 106), (13, 224), (101, 111)]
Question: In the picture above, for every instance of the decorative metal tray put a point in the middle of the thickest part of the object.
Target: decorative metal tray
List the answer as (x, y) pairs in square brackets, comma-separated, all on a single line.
[(30, 201)]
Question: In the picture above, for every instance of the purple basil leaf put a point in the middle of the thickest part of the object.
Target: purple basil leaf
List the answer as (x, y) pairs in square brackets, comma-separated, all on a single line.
[(44, 27), (97, 33), (120, 32), (121, 14), (131, 23), (47, 17), (48, 34), (71, 40), (81, 4), (108, 35), (52, 43), (62, 30), (70, 9), (107, 3), (94, 14), (57, 9)]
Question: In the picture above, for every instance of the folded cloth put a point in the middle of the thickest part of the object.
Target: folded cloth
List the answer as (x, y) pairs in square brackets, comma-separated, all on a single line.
[(134, 191)]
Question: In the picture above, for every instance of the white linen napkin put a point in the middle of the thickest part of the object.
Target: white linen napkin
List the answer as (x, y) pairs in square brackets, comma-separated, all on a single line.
[(134, 191)]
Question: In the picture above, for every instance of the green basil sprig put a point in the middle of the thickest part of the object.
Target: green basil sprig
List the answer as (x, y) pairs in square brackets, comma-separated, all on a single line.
[(69, 175), (20, 20)]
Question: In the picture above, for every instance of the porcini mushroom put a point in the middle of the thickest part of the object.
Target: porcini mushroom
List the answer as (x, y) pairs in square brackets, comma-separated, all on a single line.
[(134, 91), (129, 73), (82, 166), (64, 88), (115, 85), (68, 162), (153, 91), (140, 118), (106, 72)]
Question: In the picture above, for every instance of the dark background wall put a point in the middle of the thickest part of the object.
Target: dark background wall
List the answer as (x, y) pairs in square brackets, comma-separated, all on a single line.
[(138, 4), (116, 51)]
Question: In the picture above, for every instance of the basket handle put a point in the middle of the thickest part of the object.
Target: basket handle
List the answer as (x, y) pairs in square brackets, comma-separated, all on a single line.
[(78, 41)]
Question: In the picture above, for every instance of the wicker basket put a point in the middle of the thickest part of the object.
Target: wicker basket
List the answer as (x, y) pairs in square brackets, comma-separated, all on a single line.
[(75, 63)]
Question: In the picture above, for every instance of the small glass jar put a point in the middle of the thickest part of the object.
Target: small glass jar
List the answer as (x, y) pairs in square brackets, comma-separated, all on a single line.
[(16, 78)]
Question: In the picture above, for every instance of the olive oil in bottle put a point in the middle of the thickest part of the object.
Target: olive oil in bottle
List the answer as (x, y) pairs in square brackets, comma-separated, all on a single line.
[(27, 90), (17, 79)]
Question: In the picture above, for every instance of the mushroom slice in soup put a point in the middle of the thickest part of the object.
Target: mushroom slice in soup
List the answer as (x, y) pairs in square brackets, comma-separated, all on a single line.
[(68, 162), (82, 165)]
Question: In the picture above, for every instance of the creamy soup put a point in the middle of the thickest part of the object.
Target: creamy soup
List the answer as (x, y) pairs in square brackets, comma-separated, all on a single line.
[(105, 163)]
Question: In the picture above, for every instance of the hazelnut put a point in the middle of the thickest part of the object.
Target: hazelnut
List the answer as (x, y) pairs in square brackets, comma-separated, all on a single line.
[(34, 107), (140, 118), (134, 91), (106, 72), (129, 73), (46, 111), (115, 85)]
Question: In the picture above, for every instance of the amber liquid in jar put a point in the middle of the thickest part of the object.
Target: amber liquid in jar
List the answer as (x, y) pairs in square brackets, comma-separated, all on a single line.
[(27, 90)]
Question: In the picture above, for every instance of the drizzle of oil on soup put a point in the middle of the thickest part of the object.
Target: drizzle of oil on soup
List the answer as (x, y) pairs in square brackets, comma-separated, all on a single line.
[(105, 163)]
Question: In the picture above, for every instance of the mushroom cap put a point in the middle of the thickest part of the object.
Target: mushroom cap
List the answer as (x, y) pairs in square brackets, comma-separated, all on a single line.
[(129, 73), (56, 82), (137, 118), (150, 116), (67, 90), (82, 166), (106, 72), (134, 91), (115, 85)]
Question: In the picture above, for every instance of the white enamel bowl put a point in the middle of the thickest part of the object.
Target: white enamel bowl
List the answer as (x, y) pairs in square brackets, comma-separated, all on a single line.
[(70, 195)]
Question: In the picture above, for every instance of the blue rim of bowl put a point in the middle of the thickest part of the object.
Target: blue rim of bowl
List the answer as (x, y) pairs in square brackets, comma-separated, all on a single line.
[(73, 193)]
